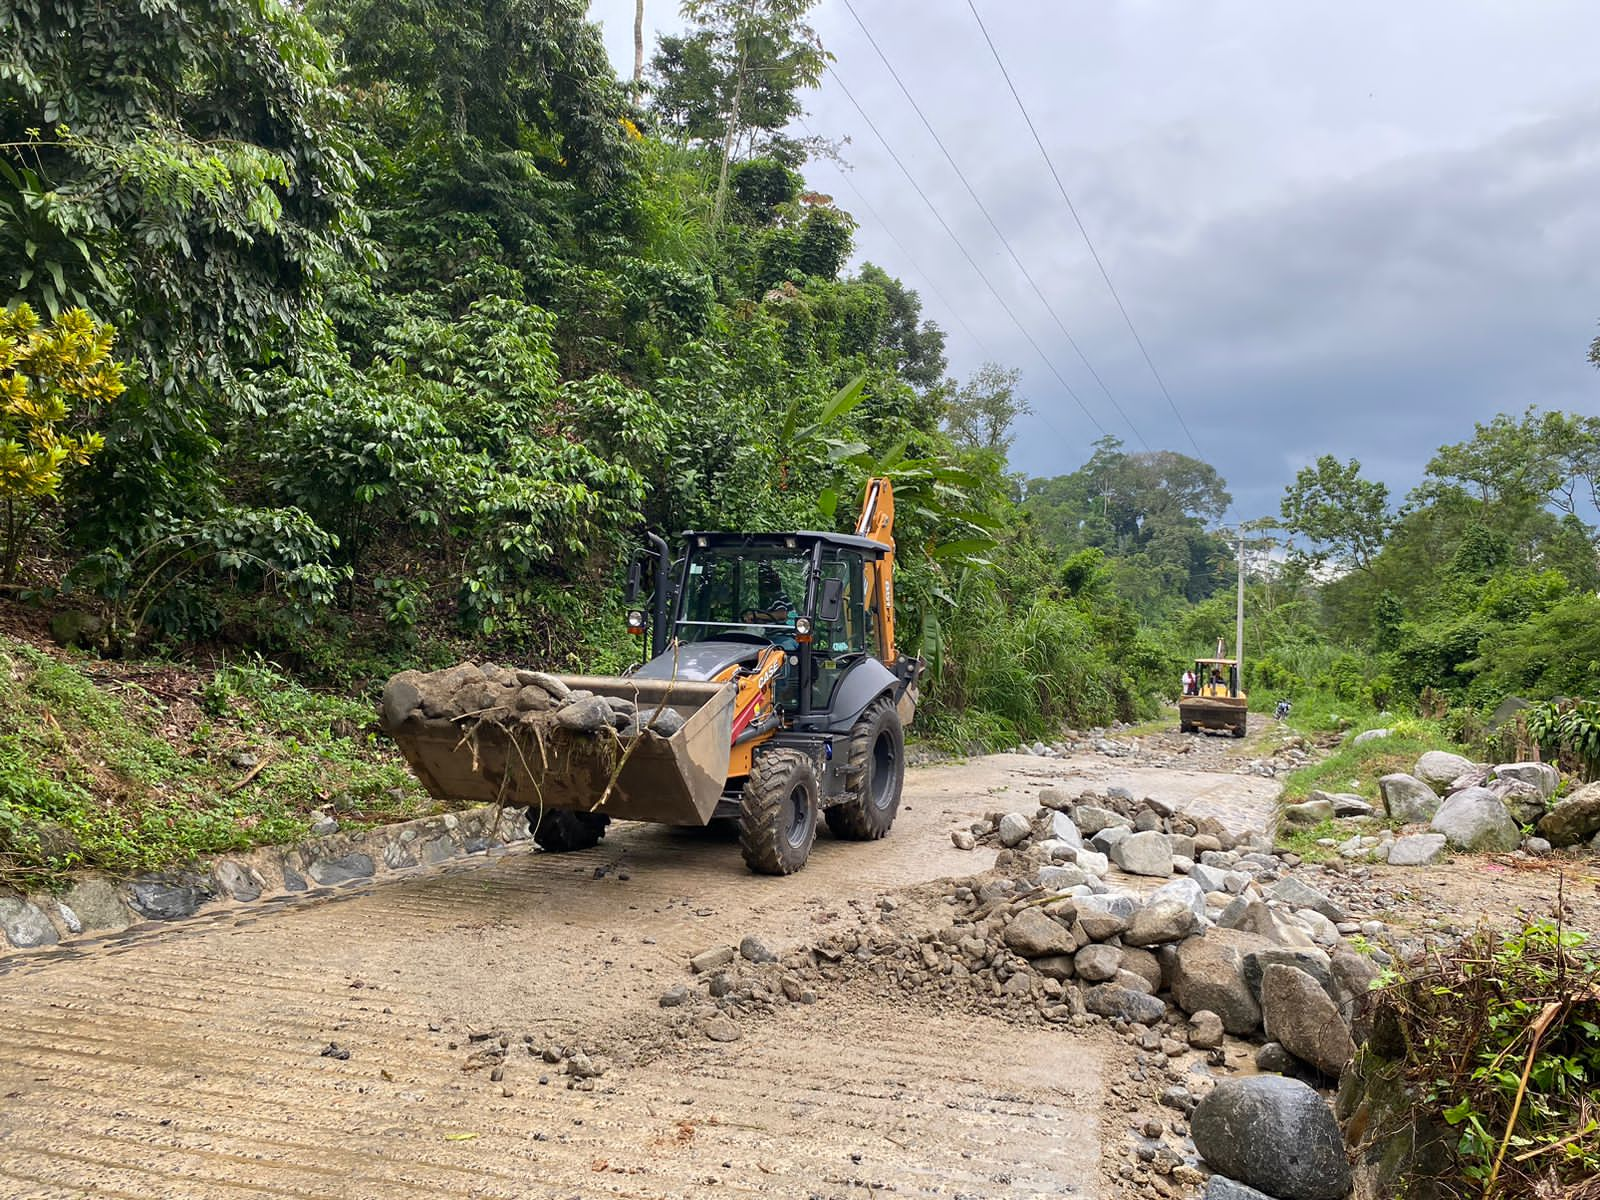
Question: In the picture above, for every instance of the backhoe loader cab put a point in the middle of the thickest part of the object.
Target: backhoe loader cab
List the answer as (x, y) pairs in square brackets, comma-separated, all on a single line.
[(1218, 701), (770, 692)]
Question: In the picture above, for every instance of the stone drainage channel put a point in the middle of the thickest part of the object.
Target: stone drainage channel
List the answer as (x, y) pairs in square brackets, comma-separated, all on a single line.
[(493, 1025)]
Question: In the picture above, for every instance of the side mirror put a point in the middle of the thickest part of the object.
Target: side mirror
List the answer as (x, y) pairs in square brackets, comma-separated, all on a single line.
[(635, 579), (832, 602)]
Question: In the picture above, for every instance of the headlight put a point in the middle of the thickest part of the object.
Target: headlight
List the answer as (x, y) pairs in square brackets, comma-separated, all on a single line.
[(802, 626), (635, 620)]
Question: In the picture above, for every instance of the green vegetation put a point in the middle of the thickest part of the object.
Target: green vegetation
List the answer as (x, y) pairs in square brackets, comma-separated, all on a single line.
[(99, 769), (1502, 1037), (419, 334), (1352, 768)]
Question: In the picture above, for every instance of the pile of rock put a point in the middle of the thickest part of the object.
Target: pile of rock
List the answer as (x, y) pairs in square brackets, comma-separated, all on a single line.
[(730, 982), (513, 698), (1467, 806)]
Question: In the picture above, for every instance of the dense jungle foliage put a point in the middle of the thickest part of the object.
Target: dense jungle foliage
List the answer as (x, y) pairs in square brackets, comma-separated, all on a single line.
[(422, 316)]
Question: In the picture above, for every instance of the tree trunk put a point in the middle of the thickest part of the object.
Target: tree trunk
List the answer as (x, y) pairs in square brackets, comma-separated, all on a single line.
[(638, 43), (727, 142)]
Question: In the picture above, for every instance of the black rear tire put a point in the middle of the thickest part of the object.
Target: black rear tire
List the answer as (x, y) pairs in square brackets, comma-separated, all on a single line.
[(558, 832), (778, 814), (875, 773)]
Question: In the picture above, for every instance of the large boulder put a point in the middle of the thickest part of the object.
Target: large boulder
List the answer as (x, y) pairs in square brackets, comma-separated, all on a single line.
[(1313, 960), (1301, 1016), (1576, 819), (1097, 963), (25, 924), (1476, 820), (1297, 893), (1440, 768), (1034, 935), (1091, 819), (1524, 801), (1273, 1134), (1161, 922), (1540, 775), (1117, 1002), (1253, 916), (1408, 799), (1014, 829), (1417, 850), (1186, 890), (1208, 973), (1369, 735), (1145, 853)]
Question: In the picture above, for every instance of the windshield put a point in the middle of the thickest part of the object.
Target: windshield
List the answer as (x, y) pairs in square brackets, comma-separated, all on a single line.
[(743, 589)]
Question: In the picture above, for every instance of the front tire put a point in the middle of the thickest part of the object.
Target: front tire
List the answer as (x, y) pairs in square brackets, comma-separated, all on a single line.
[(875, 773), (778, 813), (558, 831)]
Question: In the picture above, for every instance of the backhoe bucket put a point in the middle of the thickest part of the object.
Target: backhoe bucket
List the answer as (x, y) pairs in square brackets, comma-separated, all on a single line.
[(674, 780)]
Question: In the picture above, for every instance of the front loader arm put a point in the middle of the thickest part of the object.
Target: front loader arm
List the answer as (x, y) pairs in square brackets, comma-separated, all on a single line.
[(877, 522)]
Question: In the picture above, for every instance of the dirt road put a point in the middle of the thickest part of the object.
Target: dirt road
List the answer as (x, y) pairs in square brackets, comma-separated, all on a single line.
[(188, 1061)]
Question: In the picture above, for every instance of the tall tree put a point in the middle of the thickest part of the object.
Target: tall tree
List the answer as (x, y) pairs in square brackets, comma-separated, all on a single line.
[(1344, 517), (638, 44), (982, 412), (738, 75)]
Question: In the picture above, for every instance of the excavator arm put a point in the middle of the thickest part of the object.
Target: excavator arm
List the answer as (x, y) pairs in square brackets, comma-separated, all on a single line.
[(877, 522)]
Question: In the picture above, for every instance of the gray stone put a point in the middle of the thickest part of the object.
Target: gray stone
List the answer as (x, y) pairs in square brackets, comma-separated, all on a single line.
[(1310, 959), (674, 996), (1118, 1002), (331, 872), (1144, 853), (1055, 966), (1345, 804), (68, 917), (1014, 829), (1275, 1059), (712, 959), (1407, 799), (322, 825), (1091, 819), (163, 900), (1209, 879), (1273, 1134), (1063, 830), (1143, 964), (1439, 768), (401, 698), (293, 881), (1522, 800), (1299, 894), (1536, 774), (1063, 877), (437, 850), (1576, 819), (1310, 812), (397, 856), (1208, 973), (1369, 735), (1034, 935), (25, 924), (1092, 861), (1220, 1187), (1417, 850), (97, 905), (963, 839), (237, 881), (1537, 846), (1054, 799), (1109, 837), (1096, 963), (1353, 977), (755, 950), (1205, 1030), (720, 1029), (1185, 890), (1475, 820), (587, 715), (1099, 924), (1300, 1015)]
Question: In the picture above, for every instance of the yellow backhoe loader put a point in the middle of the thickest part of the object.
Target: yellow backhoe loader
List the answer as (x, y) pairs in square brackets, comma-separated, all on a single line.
[(771, 693), (1218, 701)]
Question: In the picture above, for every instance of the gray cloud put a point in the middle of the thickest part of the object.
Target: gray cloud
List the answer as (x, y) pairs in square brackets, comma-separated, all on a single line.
[(1348, 228)]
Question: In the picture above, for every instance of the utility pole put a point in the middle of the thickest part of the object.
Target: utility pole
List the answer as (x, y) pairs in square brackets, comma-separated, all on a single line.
[(638, 45), (1238, 628)]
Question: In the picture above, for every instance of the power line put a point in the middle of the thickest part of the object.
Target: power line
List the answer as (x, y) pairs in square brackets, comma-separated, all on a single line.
[(1021, 266), (1087, 241), (917, 187), (910, 258)]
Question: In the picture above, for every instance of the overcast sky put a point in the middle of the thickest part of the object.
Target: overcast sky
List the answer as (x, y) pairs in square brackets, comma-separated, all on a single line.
[(1350, 228)]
